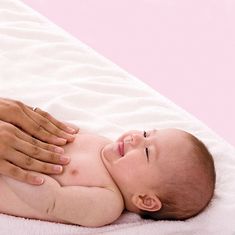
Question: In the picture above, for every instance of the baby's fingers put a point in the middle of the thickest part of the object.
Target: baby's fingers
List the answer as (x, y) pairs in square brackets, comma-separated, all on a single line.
[(17, 173)]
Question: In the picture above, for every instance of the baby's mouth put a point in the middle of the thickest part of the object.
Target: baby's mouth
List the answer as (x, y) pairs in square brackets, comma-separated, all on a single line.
[(121, 148)]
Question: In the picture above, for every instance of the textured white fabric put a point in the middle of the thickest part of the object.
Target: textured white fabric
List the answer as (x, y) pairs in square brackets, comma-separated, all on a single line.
[(43, 66)]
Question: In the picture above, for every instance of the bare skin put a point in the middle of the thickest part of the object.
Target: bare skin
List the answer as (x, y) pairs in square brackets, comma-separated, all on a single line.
[(85, 179), (30, 140), (103, 178)]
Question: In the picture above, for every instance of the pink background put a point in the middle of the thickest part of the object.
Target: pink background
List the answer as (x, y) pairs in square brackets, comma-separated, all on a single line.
[(184, 49)]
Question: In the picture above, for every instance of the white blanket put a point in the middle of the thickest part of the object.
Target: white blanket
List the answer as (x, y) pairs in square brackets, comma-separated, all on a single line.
[(43, 66)]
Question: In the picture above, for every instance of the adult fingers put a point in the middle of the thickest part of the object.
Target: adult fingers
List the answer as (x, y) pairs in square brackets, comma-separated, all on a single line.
[(35, 152), (62, 126), (33, 128), (17, 173), (29, 163), (50, 124), (31, 146)]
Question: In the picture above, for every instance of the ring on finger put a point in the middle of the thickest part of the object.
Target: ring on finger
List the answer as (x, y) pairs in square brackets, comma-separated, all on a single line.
[(34, 109)]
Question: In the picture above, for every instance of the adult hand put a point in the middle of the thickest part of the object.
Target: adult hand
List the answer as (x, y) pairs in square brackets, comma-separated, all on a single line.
[(20, 152), (37, 123)]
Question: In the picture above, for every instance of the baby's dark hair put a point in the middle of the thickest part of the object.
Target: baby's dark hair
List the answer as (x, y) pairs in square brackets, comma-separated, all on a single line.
[(186, 200)]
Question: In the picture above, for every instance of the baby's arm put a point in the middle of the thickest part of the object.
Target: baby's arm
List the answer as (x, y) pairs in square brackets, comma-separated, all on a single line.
[(86, 206)]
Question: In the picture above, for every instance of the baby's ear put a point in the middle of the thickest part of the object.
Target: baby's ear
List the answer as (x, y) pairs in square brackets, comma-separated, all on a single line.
[(147, 202)]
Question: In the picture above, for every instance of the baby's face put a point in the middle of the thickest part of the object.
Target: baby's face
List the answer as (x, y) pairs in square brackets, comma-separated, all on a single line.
[(139, 160)]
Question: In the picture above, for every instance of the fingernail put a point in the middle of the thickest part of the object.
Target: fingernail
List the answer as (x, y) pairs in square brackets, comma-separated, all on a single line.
[(57, 168), (38, 180), (61, 141), (59, 150), (64, 159), (71, 137), (71, 130)]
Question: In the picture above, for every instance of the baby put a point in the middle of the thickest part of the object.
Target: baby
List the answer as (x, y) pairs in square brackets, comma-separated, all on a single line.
[(159, 174)]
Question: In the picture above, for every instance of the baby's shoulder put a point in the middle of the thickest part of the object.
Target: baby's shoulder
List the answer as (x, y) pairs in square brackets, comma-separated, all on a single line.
[(114, 201)]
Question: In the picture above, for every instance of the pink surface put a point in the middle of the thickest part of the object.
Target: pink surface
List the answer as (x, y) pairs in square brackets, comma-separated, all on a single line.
[(184, 49)]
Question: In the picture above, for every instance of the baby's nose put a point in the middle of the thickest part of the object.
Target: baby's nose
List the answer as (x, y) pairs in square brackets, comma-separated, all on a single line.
[(137, 138)]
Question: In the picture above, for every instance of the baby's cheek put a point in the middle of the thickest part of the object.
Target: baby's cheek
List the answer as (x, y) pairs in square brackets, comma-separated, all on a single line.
[(129, 168)]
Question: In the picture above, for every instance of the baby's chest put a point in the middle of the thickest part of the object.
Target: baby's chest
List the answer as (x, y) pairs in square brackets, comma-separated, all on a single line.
[(85, 169)]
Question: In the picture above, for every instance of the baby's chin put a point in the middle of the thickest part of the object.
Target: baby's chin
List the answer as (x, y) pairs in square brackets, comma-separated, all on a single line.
[(110, 153)]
